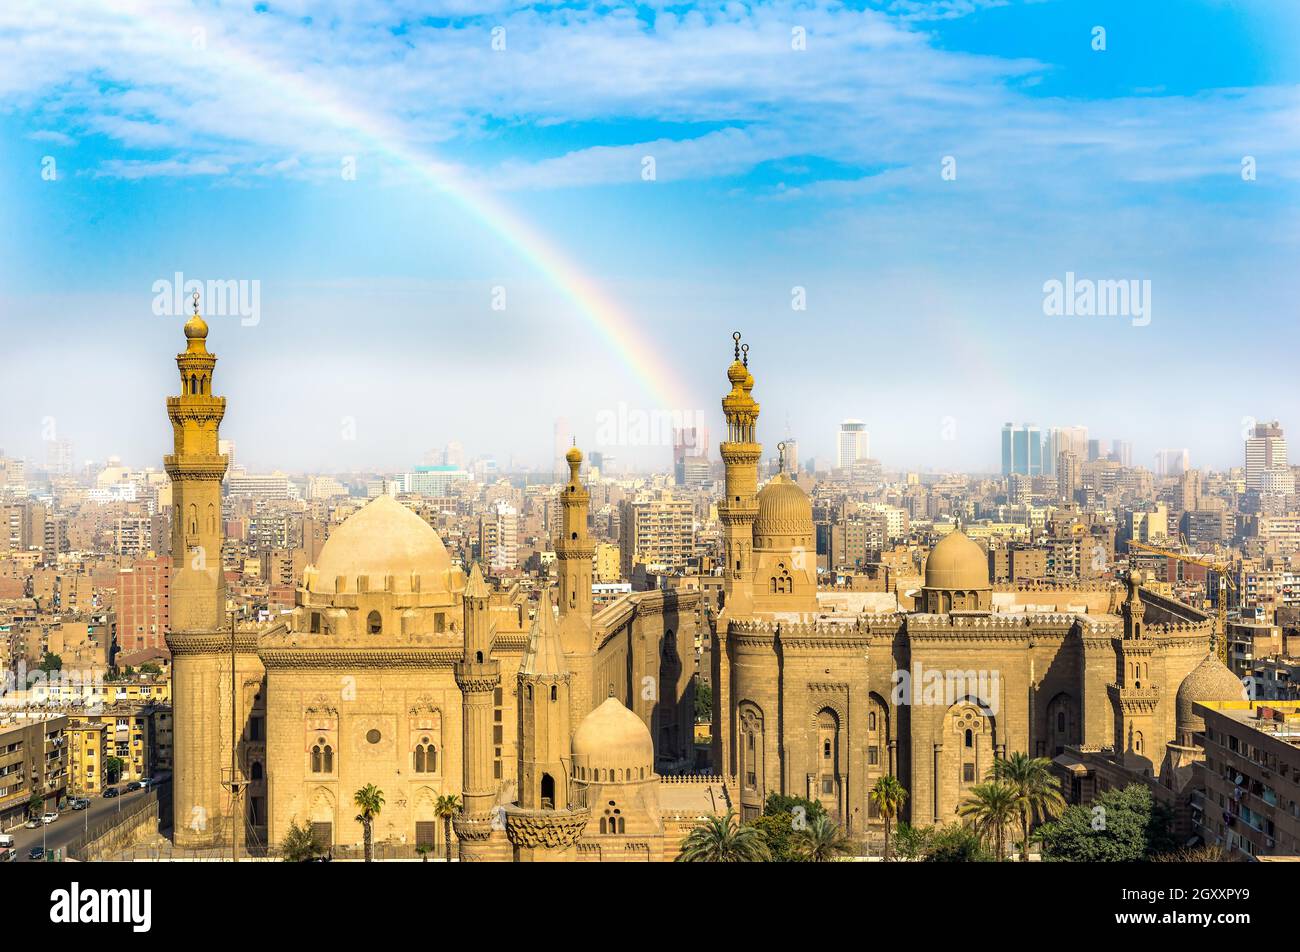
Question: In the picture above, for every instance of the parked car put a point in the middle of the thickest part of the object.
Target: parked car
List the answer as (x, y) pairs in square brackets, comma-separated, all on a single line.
[(79, 803), (36, 852), (135, 785), (6, 841), (33, 824), (8, 855), (49, 817), (111, 792)]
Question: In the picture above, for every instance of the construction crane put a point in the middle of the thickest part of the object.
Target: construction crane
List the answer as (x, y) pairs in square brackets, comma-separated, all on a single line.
[(1224, 571)]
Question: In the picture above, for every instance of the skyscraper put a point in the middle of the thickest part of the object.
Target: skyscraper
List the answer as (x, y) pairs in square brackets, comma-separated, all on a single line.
[(1172, 462), (1265, 450), (1022, 450), (854, 443)]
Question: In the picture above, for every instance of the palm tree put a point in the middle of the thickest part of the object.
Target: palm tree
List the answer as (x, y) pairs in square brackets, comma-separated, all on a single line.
[(990, 808), (888, 795), (446, 808), (723, 840), (819, 842), (370, 800), (1038, 793)]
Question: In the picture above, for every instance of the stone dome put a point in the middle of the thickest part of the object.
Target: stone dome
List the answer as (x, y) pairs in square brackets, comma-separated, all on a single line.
[(196, 328), (1208, 681), (784, 512), (957, 562), (383, 538), (613, 744)]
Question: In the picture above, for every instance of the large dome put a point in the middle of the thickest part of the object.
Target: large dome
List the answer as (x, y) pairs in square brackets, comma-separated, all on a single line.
[(381, 539), (957, 562), (1209, 681), (784, 514), (613, 744)]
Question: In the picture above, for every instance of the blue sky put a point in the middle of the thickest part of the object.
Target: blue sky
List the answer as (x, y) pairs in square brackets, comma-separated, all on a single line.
[(183, 141)]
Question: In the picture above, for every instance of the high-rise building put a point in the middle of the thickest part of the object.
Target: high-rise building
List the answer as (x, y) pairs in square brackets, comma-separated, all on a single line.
[(854, 443), (1121, 451), (144, 604), (499, 537), (1022, 450), (1094, 450), (656, 531), (1172, 462), (1265, 450), (1069, 477)]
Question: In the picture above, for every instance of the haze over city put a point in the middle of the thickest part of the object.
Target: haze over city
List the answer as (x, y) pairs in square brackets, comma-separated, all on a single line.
[(461, 235)]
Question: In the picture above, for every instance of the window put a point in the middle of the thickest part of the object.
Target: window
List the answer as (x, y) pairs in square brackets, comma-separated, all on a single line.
[(374, 623), (968, 773), (970, 738), (426, 757)]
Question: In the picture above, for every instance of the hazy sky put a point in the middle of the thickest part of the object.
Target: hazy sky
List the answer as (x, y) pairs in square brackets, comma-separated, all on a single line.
[(428, 199)]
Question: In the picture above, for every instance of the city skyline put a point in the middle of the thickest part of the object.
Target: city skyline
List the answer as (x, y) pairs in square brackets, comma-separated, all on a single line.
[(509, 226)]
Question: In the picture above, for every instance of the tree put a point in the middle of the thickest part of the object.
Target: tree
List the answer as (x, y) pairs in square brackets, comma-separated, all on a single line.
[(445, 808), (955, 844), (114, 767), (370, 800), (1038, 793), (889, 796), (150, 668), (50, 662), (35, 805), (911, 842), (423, 850), (1118, 826), (723, 840), (299, 846), (991, 807), (703, 700), (820, 841), (1205, 853)]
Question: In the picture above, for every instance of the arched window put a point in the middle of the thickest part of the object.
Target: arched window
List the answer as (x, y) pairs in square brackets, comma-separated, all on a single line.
[(374, 623), (255, 771), (329, 759), (478, 656), (554, 694), (970, 738), (316, 759), (426, 757), (528, 691)]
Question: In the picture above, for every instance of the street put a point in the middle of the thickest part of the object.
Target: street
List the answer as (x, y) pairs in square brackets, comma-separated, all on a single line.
[(71, 824)]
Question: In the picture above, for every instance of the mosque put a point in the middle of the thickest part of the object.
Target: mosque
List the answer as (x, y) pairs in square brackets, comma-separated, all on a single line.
[(567, 733)]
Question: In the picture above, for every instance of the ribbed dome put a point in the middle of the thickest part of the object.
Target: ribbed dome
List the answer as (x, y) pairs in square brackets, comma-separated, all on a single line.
[(784, 511), (957, 562), (611, 738), (196, 328), (383, 538), (1209, 681)]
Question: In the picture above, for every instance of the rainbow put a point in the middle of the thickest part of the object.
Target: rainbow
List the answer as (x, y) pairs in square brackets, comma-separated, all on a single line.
[(613, 323)]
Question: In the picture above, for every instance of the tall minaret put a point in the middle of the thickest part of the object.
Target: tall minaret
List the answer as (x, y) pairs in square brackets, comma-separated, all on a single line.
[(740, 452), (1133, 694), (736, 512), (544, 736), (573, 551), (198, 641), (478, 675)]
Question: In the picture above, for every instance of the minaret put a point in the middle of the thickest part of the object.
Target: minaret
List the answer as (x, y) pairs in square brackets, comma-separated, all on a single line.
[(1133, 694), (544, 825), (478, 675), (736, 512), (573, 551), (199, 639)]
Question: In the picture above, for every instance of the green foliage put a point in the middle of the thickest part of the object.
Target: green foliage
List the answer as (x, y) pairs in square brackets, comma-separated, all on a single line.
[(370, 800), (990, 808), (446, 808), (114, 767), (779, 803), (150, 668), (955, 844), (777, 830), (50, 662), (911, 842), (1119, 826), (723, 840), (888, 795), (703, 700), (299, 846), (35, 804), (819, 841), (1037, 791)]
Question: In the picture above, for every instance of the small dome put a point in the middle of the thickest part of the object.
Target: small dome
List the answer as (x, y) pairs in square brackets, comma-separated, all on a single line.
[(1209, 681), (574, 455), (196, 328), (784, 510), (957, 562), (737, 373), (383, 538), (612, 738)]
